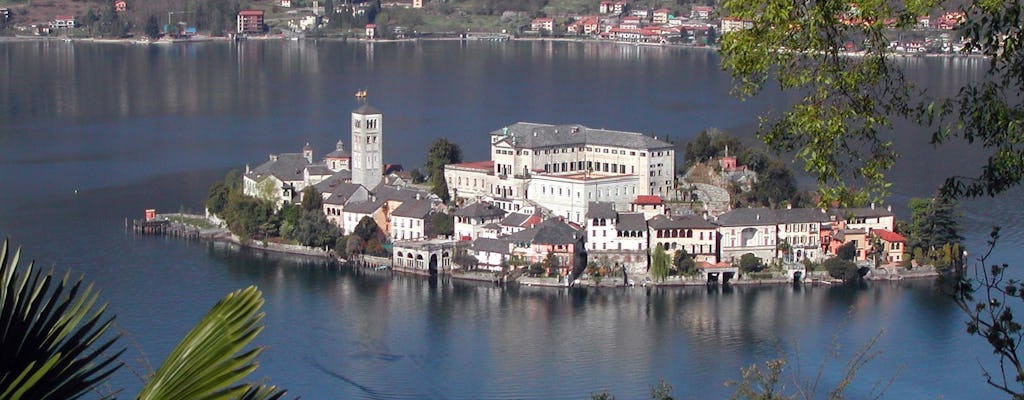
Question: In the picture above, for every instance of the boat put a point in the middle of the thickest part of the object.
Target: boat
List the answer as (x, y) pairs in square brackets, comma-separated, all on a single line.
[(381, 268)]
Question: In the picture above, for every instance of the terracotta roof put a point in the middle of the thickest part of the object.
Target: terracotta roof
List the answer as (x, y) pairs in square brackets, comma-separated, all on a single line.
[(488, 165), (647, 200), (888, 236)]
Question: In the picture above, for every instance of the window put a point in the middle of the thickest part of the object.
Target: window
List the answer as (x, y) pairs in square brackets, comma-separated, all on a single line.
[(357, 123)]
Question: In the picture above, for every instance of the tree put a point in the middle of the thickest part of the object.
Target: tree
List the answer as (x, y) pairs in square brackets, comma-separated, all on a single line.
[(847, 251), (684, 263), (841, 269), (217, 199), (417, 176), (551, 263), (312, 201), (314, 230), (442, 224), (659, 263), (152, 27), (934, 222), (440, 153), (750, 263)]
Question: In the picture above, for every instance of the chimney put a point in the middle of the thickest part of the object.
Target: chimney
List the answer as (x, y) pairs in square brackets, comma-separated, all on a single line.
[(273, 157), (888, 208), (872, 205), (789, 206), (758, 217)]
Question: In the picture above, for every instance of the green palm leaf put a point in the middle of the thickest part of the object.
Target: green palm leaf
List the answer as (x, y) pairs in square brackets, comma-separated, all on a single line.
[(207, 364), (51, 334)]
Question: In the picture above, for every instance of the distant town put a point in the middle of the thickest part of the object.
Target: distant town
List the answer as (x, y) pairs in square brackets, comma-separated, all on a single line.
[(641, 22), (554, 205)]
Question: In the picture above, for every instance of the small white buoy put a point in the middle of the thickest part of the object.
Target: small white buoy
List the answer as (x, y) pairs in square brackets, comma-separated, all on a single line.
[(76, 191)]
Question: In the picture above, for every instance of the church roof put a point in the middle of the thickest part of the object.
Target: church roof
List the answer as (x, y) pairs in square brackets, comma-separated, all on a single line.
[(531, 135), (287, 167), (366, 109)]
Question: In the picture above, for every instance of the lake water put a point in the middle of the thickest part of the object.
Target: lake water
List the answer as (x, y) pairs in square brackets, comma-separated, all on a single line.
[(91, 134)]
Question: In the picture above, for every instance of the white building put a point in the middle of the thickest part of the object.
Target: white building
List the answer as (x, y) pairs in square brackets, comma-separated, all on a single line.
[(867, 218), (748, 230), (530, 160), (799, 233), (411, 220), (689, 233)]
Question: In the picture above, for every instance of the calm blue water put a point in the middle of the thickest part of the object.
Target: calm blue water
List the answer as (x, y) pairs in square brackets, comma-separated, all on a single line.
[(134, 127)]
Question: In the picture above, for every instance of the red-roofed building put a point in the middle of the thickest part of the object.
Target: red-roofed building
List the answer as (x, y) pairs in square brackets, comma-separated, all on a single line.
[(371, 31), (120, 6), (250, 21), (585, 26), (648, 205), (893, 245), (630, 23)]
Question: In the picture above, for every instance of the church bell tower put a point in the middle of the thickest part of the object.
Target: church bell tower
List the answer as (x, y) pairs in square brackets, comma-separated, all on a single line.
[(367, 143)]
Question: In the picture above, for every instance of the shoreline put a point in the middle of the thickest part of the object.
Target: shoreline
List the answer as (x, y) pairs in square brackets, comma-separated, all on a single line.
[(222, 39), (485, 276)]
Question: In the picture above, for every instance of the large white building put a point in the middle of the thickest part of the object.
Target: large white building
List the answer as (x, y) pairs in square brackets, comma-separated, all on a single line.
[(564, 167)]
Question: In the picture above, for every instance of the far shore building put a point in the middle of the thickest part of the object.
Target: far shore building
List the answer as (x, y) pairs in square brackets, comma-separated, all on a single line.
[(64, 22), (542, 24), (562, 168), (250, 21), (120, 6), (748, 230)]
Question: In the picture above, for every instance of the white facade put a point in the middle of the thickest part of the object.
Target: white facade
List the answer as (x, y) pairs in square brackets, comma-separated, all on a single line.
[(367, 142), (407, 228), (567, 195), (741, 239), (691, 234)]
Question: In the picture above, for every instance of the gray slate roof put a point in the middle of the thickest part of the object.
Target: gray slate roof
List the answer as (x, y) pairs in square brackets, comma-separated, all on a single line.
[(340, 191), (413, 209), (366, 109), (338, 154), (532, 135), (631, 222), (680, 222), (515, 219), (478, 209), (491, 245), (385, 192), (601, 210), (364, 207), (287, 167), (767, 216), (319, 169), (551, 231)]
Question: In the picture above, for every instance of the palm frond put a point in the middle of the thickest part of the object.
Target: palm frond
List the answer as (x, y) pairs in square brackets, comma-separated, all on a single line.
[(52, 338), (206, 364)]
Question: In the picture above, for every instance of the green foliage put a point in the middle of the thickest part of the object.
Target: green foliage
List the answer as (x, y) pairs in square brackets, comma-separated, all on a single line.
[(847, 251), (750, 263), (841, 269), (663, 391), (659, 263), (440, 153), (341, 246), (551, 263), (217, 199), (775, 186), (248, 217), (152, 28), (933, 222), (684, 263), (52, 338), (708, 144), (536, 269), (312, 201), (314, 230), (207, 363), (442, 224)]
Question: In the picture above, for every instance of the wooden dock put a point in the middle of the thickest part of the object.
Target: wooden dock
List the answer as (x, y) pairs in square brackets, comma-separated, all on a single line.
[(163, 227)]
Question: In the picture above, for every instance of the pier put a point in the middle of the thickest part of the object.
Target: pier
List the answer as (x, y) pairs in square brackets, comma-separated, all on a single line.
[(160, 225)]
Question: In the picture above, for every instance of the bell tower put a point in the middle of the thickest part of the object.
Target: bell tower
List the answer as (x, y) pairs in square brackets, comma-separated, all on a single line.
[(367, 143)]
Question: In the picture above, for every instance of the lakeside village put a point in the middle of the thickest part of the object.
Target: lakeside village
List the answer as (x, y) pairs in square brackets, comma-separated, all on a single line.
[(554, 205), (641, 22)]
